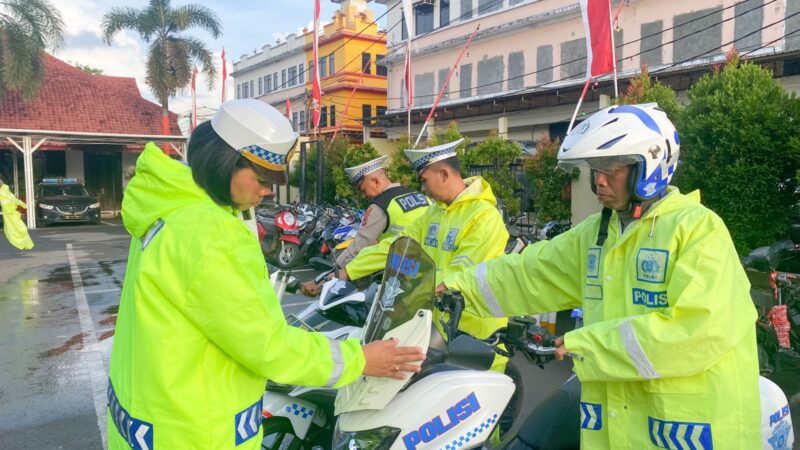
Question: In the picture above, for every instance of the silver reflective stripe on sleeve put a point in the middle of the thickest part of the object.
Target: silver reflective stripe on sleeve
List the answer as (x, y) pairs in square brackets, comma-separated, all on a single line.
[(486, 291), (338, 362), (635, 351)]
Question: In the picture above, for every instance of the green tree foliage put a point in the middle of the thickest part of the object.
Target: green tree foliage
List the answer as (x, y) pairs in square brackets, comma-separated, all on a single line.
[(171, 54), (740, 147), (551, 185), (492, 159), (643, 90), (335, 184), (89, 69), (27, 28)]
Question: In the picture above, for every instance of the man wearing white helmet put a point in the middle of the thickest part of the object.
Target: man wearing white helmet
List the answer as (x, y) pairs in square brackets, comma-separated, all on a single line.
[(200, 329), (392, 208), (668, 351)]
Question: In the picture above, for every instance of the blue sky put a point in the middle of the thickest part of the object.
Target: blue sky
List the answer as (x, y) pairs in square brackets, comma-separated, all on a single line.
[(247, 26)]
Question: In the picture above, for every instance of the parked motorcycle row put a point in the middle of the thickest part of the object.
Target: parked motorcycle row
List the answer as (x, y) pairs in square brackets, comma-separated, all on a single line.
[(774, 274), (291, 235)]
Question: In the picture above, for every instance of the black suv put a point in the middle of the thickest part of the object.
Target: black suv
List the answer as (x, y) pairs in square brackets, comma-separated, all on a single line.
[(65, 200)]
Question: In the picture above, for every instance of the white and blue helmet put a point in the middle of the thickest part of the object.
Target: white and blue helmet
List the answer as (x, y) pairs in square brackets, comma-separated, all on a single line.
[(639, 135)]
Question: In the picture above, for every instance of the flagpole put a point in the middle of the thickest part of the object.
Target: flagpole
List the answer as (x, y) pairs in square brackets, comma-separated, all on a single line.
[(613, 48), (347, 105), (444, 85), (580, 100), (409, 84), (224, 75)]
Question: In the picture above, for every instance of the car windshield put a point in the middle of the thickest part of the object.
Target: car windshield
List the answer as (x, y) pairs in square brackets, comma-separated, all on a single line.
[(408, 285), (71, 190)]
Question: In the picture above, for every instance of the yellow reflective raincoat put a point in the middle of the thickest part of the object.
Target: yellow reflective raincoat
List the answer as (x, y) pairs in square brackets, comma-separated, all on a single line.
[(14, 228), (669, 343), (456, 236), (200, 330)]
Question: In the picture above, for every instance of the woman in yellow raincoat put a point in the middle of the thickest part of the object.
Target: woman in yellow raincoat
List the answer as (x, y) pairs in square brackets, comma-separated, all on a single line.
[(13, 226)]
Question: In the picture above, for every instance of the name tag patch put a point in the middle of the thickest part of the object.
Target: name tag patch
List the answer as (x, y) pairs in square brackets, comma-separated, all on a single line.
[(593, 263), (593, 292), (651, 265), (450, 241), (431, 239), (650, 299)]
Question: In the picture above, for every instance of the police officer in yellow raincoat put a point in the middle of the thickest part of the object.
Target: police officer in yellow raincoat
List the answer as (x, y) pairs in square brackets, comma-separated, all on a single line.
[(200, 329), (461, 229), (668, 354), (13, 226)]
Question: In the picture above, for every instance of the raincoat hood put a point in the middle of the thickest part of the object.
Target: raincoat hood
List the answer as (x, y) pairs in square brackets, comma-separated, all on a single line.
[(477, 189), (160, 186)]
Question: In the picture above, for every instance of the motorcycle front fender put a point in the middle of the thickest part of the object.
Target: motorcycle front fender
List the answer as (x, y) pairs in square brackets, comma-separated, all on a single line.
[(289, 238)]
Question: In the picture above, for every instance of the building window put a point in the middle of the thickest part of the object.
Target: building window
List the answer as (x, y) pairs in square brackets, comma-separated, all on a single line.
[(260, 86), (294, 121), (301, 124), (301, 74), (275, 81), (238, 91), (322, 68), (444, 13), (244, 90), (292, 76), (423, 16), (333, 115), (380, 111), (380, 65), (366, 63), (403, 27), (269, 83), (252, 88), (311, 67), (366, 114), (331, 64), (283, 78), (323, 117), (466, 10)]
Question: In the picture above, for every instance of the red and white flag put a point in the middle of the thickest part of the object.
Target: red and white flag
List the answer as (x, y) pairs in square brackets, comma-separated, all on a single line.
[(409, 84), (316, 91), (193, 123), (599, 45), (224, 73), (288, 108)]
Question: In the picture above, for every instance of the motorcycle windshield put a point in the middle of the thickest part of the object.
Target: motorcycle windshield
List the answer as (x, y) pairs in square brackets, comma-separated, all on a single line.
[(408, 286)]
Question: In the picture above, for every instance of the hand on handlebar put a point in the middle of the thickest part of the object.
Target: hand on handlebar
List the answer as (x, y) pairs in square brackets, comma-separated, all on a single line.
[(561, 351), (440, 289)]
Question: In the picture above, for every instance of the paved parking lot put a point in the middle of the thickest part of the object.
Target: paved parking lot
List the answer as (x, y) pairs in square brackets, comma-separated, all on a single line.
[(58, 306)]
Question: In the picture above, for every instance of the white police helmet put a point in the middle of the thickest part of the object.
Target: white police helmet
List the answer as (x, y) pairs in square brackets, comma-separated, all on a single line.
[(256, 130), (639, 135)]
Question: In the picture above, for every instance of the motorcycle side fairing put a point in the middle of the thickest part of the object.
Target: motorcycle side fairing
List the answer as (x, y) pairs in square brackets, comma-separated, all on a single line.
[(466, 409), (299, 412)]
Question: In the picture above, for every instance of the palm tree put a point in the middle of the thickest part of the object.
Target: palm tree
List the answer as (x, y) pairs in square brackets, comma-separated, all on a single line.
[(27, 28), (171, 53)]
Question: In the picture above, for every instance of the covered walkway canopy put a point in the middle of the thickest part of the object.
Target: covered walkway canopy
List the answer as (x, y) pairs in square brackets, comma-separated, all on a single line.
[(74, 107)]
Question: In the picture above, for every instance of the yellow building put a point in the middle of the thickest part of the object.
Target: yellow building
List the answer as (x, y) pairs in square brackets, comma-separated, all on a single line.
[(349, 58)]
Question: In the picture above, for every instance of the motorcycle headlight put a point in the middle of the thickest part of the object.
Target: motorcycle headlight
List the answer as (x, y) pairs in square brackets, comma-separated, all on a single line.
[(94, 205), (289, 219), (375, 439), (45, 206)]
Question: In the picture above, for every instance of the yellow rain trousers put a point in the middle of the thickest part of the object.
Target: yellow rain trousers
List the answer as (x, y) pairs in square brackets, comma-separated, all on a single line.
[(669, 344), (200, 329), (13, 226)]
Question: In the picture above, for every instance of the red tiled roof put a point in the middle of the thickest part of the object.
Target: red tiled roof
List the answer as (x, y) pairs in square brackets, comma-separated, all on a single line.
[(73, 100)]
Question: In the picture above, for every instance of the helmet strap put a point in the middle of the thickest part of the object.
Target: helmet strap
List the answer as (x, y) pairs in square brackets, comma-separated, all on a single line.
[(602, 233), (636, 209)]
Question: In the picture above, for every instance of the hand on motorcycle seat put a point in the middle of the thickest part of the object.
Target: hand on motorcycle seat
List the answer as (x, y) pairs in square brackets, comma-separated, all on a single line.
[(311, 289), (386, 359)]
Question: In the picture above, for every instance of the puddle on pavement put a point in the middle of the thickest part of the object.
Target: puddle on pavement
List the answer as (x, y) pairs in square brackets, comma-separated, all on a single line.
[(73, 343)]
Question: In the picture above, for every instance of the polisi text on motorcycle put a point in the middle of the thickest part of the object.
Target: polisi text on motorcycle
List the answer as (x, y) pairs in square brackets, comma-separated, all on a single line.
[(406, 266), (436, 427)]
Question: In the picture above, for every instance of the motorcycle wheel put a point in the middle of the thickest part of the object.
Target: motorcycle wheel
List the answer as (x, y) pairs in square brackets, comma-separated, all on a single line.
[(278, 434), (288, 255), (764, 363)]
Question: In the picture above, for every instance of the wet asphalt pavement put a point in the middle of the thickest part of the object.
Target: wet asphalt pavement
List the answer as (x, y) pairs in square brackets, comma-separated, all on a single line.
[(58, 306)]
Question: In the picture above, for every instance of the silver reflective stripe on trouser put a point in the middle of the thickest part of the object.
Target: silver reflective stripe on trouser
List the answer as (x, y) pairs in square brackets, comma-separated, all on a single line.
[(486, 291), (636, 353), (338, 363)]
